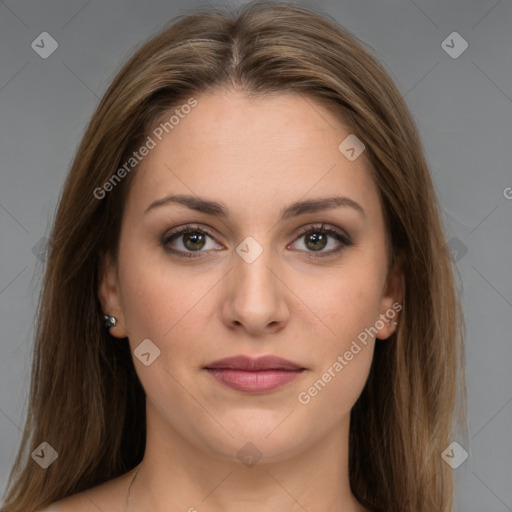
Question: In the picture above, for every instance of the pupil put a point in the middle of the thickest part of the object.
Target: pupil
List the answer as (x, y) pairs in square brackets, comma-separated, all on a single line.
[(194, 238), (317, 238), (197, 239)]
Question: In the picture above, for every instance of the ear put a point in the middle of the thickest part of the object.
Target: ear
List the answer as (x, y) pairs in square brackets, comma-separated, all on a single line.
[(109, 295), (391, 301)]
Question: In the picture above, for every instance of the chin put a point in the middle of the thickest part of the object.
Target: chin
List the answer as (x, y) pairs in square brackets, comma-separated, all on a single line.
[(269, 441), (251, 450)]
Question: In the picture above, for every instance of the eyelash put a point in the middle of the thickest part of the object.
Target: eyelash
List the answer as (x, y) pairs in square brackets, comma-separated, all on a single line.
[(334, 233)]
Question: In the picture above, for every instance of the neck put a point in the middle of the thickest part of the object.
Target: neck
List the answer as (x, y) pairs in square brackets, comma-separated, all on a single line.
[(176, 475)]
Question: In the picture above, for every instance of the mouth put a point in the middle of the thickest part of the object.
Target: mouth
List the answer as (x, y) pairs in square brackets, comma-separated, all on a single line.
[(254, 375)]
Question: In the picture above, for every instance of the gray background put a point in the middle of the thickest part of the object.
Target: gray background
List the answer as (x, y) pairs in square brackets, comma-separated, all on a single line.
[(463, 107)]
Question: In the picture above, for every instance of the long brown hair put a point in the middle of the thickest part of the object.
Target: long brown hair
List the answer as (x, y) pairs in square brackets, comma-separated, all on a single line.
[(86, 400)]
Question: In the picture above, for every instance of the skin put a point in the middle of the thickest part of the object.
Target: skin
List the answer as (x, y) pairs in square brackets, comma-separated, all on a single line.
[(255, 156)]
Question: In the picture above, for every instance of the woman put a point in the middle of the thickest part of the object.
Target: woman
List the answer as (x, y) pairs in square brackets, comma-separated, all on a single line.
[(248, 302)]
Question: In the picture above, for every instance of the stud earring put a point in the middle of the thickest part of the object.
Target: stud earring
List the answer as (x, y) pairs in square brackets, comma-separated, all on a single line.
[(110, 321)]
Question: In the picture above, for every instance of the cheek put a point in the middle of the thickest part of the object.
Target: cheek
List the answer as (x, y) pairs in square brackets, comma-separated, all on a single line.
[(170, 309), (347, 300), (349, 307), (156, 299), (346, 308), (331, 393)]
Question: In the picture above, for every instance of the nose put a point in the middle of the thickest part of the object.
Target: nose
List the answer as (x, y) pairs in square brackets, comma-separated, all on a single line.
[(256, 295)]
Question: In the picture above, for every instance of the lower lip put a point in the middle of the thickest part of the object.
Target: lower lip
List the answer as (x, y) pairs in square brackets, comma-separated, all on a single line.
[(253, 381)]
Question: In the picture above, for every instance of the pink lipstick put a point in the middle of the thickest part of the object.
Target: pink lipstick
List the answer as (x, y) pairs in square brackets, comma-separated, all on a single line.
[(254, 375)]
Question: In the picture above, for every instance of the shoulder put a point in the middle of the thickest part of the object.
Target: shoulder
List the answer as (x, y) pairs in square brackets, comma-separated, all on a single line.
[(74, 503), (109, 496), (86, 501)]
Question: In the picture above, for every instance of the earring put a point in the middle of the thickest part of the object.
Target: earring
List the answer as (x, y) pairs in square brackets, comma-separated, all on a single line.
[(110, 321), (394, 323)]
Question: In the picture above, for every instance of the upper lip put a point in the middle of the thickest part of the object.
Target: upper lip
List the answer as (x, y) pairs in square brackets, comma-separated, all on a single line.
[(247, 363)]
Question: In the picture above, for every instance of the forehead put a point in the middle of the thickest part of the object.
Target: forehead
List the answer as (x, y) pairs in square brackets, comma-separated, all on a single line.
[(265, 150)]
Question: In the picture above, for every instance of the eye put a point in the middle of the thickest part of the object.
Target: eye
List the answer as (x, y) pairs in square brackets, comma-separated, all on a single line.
[(316, 239), (193, 239)]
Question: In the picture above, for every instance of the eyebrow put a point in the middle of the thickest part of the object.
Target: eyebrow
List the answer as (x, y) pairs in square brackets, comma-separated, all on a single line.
[(297, 208)]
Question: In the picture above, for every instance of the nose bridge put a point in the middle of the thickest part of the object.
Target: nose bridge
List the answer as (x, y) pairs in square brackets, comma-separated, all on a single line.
[(255, 298), (253, 264)]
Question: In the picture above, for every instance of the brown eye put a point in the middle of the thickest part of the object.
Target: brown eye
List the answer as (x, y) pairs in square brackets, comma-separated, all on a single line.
[(316, 241), (194, 240), (187, 240), (317, 238)]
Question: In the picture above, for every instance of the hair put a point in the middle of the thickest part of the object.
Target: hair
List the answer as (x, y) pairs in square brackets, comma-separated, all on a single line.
[(85, 398)]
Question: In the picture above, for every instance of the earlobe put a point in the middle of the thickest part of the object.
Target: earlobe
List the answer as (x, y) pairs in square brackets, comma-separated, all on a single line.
[(109, 297), (391, 302)]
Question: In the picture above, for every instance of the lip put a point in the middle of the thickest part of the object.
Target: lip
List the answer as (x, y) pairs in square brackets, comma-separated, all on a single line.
[(254, 375)]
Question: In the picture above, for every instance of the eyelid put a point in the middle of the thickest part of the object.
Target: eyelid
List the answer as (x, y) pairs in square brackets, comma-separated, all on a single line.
[(187, 228), (323, 227), (334, 232)]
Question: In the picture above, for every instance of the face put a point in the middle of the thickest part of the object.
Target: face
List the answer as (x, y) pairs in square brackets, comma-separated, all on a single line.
[(305, 284)]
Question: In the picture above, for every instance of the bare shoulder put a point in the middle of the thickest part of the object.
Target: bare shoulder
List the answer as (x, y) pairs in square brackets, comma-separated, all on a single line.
[(75, 503), (109, 496)]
